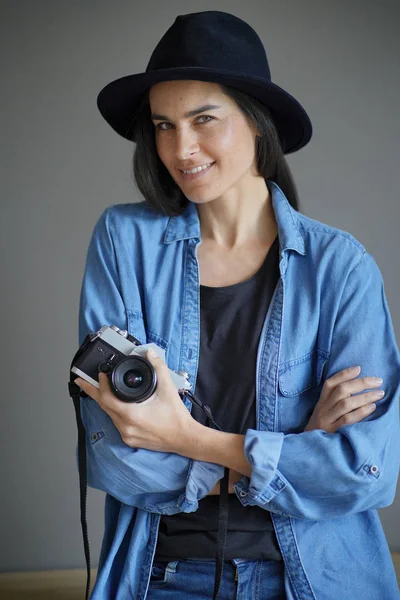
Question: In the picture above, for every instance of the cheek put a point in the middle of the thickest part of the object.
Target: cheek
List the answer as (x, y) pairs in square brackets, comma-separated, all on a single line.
[(234, 140), (162, 150), (221, 138)]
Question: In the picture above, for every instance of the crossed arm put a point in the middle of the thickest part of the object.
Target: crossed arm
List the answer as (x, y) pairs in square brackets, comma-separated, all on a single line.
[(326, 471), (336, 407)]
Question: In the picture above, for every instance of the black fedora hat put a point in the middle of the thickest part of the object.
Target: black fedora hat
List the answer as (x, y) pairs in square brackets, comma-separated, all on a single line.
[(209, 46)]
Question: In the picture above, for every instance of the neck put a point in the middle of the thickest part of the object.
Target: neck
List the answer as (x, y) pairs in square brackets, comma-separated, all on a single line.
[(233, 220)]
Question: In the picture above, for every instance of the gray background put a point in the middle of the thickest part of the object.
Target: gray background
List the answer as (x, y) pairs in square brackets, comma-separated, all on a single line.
[(62, 165)]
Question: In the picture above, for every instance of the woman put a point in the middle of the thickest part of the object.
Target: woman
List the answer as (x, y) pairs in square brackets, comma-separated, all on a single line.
[(267, 310)]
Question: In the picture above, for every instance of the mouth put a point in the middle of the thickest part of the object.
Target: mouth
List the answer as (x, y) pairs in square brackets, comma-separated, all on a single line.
[(191, 176)]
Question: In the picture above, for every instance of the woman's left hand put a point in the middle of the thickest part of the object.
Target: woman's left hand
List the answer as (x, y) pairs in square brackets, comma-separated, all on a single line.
[(162, 422)]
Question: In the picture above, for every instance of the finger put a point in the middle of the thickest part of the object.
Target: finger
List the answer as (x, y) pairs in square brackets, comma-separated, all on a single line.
[(343, 384), (342, 376), (104, 382), (347, 388), (88, 388), (352, 403), (161, 369), (355, 416), (108, 400), (153, 357)]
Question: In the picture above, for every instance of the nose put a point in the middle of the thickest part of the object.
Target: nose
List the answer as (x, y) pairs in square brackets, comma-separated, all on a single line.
[(186, 143)]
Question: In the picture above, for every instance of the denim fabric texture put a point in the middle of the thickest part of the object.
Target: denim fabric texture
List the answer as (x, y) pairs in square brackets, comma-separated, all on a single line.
[(194, 580), (328, 312)]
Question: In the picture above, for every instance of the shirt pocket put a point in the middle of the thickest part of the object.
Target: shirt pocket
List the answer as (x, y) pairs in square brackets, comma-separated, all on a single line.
[(137, 328), (300, 383)]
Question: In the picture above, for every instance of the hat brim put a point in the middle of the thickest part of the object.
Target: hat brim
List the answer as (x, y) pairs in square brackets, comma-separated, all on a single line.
[(119, 101)]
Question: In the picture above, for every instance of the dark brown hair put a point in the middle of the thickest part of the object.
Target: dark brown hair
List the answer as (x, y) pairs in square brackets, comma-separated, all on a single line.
[(158, 187)]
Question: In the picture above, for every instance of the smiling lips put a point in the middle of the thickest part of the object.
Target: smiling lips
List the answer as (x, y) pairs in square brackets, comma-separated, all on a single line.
[(197, 172)]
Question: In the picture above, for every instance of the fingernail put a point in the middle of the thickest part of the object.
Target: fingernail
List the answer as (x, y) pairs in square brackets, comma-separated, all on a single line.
[(357, 368), (372, 407), (152, 353)]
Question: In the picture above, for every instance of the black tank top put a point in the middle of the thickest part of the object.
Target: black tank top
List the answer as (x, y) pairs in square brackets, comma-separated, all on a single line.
[(231, 319)]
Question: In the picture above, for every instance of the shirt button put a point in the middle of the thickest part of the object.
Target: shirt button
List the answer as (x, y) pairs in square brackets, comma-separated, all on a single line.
[(243, 493), (374, 469)]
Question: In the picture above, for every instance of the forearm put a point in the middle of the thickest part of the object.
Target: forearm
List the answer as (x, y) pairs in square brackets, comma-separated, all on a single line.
[(209, 445)]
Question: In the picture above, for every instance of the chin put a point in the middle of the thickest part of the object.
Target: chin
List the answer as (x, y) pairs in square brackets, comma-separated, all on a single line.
[(201, 195), (199, 199)]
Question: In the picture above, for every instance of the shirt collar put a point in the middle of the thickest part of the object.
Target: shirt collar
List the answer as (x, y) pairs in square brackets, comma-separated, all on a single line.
[(291, 237)]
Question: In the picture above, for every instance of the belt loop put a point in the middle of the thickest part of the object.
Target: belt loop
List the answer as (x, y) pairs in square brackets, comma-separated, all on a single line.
[(171, 566)]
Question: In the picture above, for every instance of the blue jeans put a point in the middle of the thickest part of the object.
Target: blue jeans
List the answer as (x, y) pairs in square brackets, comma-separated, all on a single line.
[(193, 579)]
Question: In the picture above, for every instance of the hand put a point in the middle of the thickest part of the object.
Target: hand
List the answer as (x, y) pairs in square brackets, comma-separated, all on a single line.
[(337, 407), (159, 423)]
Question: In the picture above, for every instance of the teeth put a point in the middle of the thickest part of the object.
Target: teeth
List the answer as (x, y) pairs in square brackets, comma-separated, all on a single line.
[(197, 169)]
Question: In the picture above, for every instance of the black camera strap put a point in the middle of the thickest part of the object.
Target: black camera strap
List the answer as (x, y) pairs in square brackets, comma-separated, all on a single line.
[(75, 392), (223, 504)]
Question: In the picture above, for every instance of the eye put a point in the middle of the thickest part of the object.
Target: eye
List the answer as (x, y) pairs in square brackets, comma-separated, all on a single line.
[(206, 117), (160, 128)]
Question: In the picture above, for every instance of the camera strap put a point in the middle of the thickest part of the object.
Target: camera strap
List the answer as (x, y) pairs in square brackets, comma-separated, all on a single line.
[(75, 392), (223, 503)]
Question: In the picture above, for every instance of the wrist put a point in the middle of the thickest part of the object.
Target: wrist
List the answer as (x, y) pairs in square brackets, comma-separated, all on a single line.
[(189, 441), (209, 445)]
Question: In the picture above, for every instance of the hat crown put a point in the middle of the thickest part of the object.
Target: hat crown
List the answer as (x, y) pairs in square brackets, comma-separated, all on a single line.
[(212, 46), (211, 40)]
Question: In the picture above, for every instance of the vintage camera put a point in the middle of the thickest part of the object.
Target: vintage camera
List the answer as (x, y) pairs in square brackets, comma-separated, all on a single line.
[(122, 357)]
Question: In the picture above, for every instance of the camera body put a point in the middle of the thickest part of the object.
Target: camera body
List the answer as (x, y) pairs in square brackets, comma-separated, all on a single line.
[(122, 357)]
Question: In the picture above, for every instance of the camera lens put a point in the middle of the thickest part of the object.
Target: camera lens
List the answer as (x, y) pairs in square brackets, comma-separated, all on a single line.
[(133, 378)]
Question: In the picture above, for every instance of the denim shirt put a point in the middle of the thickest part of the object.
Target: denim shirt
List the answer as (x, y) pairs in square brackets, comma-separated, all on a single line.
[(328, 312)]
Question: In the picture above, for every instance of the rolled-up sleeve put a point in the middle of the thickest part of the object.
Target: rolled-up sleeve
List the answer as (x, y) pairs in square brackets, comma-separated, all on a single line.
[(155, 481), (318, 475)]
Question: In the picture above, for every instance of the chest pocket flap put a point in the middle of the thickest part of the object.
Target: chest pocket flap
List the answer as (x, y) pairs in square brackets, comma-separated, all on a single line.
[(301, 374)]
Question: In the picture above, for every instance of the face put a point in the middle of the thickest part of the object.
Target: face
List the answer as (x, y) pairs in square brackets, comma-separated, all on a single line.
[(197, 124)]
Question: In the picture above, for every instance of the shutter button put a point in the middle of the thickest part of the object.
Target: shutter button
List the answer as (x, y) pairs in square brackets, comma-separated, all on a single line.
[(374, 469)]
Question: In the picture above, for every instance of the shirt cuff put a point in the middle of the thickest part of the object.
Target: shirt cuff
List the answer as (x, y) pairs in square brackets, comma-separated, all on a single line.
[(202, 478), (262, 450)]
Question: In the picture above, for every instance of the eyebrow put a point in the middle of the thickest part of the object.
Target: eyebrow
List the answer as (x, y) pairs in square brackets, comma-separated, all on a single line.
[(191, 113)]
